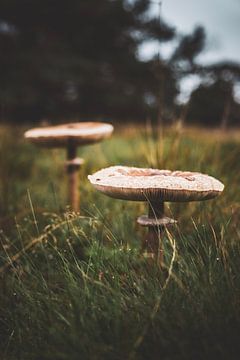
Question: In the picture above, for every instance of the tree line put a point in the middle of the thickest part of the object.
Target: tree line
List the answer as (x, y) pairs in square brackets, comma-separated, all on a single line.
[(79, 58)]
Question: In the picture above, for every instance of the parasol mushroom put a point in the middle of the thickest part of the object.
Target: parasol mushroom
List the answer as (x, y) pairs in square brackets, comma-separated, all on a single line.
[(156, 187), (70, 136)]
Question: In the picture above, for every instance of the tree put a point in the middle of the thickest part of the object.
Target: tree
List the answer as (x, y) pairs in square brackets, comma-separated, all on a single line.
[(77, 57), (213, 103), (188, 48)]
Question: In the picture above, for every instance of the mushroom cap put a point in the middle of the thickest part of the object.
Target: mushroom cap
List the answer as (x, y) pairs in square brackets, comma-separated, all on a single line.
[(140, 184), (82, 133)]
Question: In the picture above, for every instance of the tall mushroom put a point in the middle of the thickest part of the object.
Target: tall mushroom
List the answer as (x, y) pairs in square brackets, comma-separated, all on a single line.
[(155, 187), (70, 136)]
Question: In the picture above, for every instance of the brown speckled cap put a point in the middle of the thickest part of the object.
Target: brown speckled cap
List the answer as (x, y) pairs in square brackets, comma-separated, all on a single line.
[(140, 184), (79, 133)]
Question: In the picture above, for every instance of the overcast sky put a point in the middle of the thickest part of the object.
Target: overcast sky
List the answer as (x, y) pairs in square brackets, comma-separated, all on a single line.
[(221, 20)]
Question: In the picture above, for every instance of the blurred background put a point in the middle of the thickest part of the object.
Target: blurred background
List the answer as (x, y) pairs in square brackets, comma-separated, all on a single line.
[(120, 60)]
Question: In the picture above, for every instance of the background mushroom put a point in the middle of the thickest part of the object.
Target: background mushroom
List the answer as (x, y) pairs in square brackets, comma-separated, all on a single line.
[(70, 136), (155, 186)]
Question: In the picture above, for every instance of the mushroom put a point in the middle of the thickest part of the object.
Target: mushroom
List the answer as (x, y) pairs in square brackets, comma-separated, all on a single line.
[(155, 187), (70, 136)]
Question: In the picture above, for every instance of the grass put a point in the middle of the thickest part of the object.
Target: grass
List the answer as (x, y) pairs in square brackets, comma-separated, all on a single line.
[(75, 287)]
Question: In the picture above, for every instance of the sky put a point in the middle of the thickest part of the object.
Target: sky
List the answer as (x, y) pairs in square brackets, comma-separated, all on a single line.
[(221, 20)]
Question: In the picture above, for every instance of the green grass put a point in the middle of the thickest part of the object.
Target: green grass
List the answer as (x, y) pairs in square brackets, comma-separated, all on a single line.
[(76, 287)]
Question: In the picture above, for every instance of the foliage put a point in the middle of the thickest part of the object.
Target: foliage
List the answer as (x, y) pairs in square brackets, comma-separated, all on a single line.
[(208, 101), (213, 101), (80, 59), (190, 46), (63, 58)]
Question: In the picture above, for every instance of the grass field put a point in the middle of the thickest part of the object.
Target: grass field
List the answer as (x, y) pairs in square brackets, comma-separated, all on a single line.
[(76, 287)]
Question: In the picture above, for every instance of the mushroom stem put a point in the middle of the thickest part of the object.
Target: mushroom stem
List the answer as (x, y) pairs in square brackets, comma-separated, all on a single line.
[(156, 222), (156, 210), (152, 244), (72, 172)]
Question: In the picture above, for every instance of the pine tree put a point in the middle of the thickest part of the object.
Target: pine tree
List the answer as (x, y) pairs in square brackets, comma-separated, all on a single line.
[(77, 57)]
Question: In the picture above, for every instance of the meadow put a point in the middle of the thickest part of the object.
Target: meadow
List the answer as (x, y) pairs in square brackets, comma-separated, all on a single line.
[(76, 287)]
